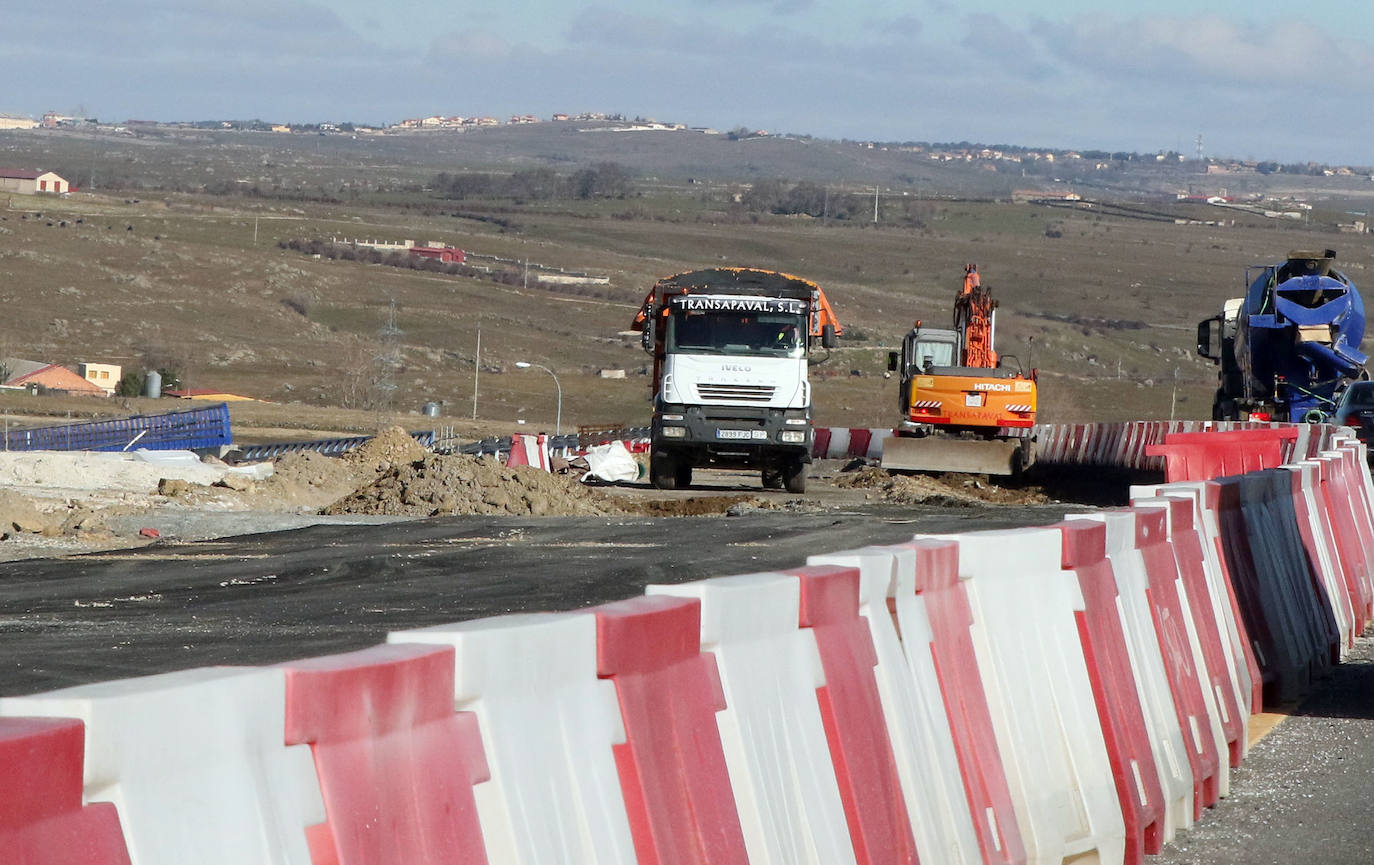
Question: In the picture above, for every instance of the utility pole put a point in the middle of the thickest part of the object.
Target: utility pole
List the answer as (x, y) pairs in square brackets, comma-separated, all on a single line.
[(476, 368), (875, 205)]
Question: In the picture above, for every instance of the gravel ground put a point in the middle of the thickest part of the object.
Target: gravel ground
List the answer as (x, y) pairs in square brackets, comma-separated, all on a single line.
[(1305, 793)]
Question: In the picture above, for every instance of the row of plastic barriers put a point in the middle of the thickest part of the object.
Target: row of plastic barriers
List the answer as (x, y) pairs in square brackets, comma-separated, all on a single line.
[(1077, 692)]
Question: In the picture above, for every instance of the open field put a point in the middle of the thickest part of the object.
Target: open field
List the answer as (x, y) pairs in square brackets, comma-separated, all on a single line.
[(1104, 306)]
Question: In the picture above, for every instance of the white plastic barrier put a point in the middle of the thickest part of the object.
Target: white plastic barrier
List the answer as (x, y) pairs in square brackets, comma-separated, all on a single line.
[(1031, 660), (196, 764), (548, 724), (774, 739), (1216, 707), (1325, 560), (1235, 645), (921, 742), (1147, 662)]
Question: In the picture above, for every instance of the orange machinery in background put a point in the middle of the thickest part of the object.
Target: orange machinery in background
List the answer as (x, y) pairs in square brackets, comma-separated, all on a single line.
[(963, 408)]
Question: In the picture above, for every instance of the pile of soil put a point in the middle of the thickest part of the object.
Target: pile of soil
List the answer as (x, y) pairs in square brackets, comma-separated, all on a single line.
[(441, 485), (392, 446), (945, 490), (306, 480), (309, 480)]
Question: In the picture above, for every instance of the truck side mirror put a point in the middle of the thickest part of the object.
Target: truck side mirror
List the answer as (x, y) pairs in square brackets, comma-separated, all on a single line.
[(892, 361), (646, 337), (1204, 338), (828, 338)]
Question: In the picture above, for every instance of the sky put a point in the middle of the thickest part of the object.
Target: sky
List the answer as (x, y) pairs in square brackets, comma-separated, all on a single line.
[(1255, 80)]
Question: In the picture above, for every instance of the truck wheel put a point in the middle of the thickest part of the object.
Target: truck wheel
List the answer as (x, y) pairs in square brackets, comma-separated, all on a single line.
[(772, 479), (683, 476), (794, 476), (663, 471)]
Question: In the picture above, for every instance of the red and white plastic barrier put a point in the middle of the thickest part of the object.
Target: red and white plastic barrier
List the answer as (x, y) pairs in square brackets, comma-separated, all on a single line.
[(772, 729), (1074, 692), (396, 763), (548, 725), (1031, 664), (529, 450), (922, 743), (42, 818), (196, 764)]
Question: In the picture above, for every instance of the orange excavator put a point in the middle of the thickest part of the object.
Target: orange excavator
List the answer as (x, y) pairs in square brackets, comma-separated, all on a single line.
[(964, 408)]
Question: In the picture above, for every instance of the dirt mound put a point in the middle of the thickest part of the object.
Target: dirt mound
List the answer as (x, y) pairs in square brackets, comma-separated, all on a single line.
[(391, 446), (946, 489), (438, 485), (20, 514), (309, 479)]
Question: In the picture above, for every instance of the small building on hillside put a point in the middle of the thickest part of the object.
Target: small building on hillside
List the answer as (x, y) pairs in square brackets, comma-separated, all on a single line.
[(103, 375), (55, 378), (439, 252), (29, 181), (10, 121)]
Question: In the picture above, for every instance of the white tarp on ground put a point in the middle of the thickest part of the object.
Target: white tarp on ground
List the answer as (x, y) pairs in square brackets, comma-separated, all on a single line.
[(611, 462)]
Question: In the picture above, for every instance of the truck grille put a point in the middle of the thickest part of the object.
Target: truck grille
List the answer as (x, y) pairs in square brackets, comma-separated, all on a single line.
[(736, 392)]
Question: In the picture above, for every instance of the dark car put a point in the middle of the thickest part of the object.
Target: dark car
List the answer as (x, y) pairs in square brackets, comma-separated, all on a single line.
[(1356, 410)]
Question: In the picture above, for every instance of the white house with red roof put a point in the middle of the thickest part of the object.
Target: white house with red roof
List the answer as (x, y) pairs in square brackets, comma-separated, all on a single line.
[(31, 181)]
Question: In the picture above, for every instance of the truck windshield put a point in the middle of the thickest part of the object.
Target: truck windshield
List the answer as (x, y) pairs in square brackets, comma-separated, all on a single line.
[(768, 334)]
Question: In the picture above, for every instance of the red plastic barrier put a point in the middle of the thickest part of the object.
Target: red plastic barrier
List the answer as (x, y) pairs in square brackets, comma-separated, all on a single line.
[(1357, 503), (961, 686), (1206, 455), (858, 442), (821, 446), (396, 763), (1171, 628), (853, 715), (42, 820), (1187, 548), (672, 768), (1335, 507), (1114, 689)]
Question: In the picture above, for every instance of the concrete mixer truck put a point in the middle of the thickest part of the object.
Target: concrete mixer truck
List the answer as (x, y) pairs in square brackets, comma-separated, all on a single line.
[(1290, 346)]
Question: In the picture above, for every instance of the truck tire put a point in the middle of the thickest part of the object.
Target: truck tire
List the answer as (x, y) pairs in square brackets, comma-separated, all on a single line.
[(772, 479), (794, 476), (684, 475), (663, 471)]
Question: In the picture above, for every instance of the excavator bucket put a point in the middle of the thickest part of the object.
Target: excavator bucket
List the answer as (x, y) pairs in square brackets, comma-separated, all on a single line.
[(943, 454)]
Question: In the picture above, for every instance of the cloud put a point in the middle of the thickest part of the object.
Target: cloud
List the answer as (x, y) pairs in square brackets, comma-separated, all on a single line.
[(1222, 52), (922, 73)]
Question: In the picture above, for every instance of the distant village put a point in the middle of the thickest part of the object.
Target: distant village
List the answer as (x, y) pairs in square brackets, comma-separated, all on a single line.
[(989, 157)]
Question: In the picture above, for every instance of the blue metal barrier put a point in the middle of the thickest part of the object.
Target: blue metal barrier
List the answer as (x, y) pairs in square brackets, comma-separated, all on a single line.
[(178, 430)]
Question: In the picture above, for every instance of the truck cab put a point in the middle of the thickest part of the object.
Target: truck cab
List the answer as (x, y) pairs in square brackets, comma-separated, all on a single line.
[(731, 351)]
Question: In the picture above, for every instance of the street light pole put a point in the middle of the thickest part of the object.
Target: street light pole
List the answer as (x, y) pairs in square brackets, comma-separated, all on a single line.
[(558, 421)]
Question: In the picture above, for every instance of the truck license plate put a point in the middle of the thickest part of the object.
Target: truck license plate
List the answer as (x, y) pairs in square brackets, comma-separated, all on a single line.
[(973, 400), (740, 434)]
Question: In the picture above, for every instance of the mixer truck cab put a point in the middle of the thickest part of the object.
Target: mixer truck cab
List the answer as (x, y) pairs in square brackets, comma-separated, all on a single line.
[(731, 351)]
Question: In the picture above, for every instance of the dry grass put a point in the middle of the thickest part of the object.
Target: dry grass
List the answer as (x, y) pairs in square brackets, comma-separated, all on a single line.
[(1106, 311)]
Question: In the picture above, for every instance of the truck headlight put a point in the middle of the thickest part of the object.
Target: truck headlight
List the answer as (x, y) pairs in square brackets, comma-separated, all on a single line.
[(793, 436), (675, 432)]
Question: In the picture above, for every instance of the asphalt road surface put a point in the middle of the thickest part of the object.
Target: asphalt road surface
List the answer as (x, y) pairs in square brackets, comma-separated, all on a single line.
[(1305, 794)]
